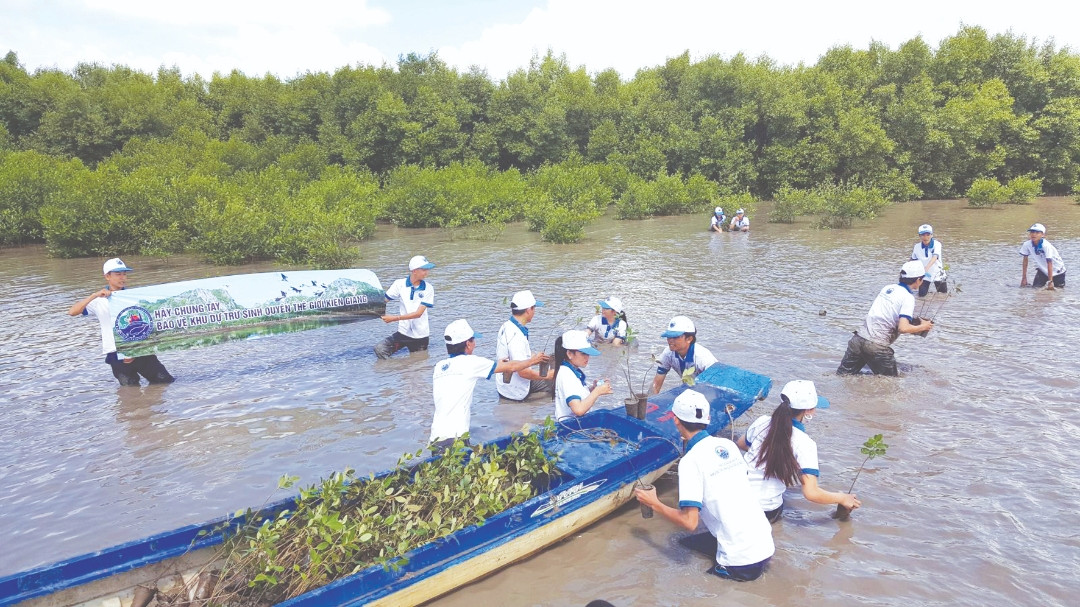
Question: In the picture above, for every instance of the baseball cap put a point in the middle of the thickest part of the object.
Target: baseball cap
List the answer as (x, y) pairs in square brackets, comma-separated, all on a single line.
[(678, 326), (578, 340), (912, 269), (523, 300), (926, 229), (1035, 228), (802, 394), (420, 263), (612, 303), (740, 212), (114, 265), (459, 331), (718, 210), (691, 407)]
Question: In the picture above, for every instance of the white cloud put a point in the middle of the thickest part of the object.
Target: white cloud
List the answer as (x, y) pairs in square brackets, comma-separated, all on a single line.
[(631, 34), (314, 14)]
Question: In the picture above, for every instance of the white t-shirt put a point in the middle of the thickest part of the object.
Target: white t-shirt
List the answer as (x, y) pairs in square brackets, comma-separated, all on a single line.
[(569, 384), (770, 491), (697, 355), (411, 299), (738, 224), (923, 255), (602, 331), (892, 303), (513, 343), (715, 221), (452, 385), (713, 478), (99, 308), (1048, 251)]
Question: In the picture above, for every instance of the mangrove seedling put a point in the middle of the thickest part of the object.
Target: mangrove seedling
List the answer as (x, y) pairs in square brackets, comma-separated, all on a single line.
[(873, 447)]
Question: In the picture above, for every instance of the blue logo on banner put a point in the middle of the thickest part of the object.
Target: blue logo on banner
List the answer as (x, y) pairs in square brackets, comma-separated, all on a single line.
[(134, 323)]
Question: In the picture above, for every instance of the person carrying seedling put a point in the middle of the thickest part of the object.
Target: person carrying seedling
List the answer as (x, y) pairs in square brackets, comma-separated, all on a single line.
[(713, 487), (1048, 261), (928, 252), (781, 454), (573, 396), (682, 353), (609, 326), (125, 369), (892, 313), (454, 380)]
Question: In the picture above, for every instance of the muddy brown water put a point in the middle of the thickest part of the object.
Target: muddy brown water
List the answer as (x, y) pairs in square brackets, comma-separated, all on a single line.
[(975, 503)]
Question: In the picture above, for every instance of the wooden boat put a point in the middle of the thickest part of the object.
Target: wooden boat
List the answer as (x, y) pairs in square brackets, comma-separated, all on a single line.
[(602, 455)]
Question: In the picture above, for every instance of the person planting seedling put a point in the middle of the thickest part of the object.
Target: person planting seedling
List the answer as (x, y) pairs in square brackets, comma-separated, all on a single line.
[(873, 447)]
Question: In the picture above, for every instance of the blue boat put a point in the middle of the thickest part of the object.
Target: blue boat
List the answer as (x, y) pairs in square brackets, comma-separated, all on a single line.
[(602, 455)]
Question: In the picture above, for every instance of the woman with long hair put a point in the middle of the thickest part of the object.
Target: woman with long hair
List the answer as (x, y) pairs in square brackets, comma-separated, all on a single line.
[(572, 395), (609, 326), (781, 454)]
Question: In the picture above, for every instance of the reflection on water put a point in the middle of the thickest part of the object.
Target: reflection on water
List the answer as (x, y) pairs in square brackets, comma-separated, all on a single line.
[(974, 504)]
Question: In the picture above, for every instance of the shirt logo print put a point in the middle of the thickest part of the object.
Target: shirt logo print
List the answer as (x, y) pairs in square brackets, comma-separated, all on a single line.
[(722, 452)]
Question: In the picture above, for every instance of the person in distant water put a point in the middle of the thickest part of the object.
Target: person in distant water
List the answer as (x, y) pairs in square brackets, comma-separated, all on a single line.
[(414, 296), (714, 487), (682, 352), (718, 221), (126, 370), (454, 380), (740, 222), (1048, 261), (781, 454), (609, 326), (891, 314), (928, 252), (573, 397), (512, 343)]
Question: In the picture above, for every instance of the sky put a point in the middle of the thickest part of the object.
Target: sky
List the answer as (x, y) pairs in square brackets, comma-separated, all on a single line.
[(288, 38)]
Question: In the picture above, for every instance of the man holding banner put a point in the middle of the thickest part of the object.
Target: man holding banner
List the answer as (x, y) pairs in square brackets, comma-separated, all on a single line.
[(415, 295), (126, 370)]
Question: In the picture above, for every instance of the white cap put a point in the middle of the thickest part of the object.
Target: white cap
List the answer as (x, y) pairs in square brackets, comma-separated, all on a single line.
[(459, 331), (719, 210), (114, 265), (691, 407), (740, 212), (912, 269), (678, 326), (420, 263), (523, 300), (578, 340), (612, 303), (926, 229), (801, 394), (1035, 228)]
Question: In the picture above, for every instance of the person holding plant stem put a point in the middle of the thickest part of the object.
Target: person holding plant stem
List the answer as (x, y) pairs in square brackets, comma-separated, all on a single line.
[(512, 344), (609, 326), (683, 353), (454, 380), (713, 488), (1050, 269), (718, 221), (928, 252), (573, 397), (781, 454)]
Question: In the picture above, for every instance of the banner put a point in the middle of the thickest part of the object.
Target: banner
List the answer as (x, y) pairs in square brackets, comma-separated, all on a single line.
[(180, 315)]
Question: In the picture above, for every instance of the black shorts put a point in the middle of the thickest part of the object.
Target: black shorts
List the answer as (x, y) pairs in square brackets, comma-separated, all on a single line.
[(1040, 280), (127, 373)]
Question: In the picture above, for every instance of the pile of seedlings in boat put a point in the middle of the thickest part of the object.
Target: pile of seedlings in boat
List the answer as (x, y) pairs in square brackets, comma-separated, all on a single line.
[(343, 525)]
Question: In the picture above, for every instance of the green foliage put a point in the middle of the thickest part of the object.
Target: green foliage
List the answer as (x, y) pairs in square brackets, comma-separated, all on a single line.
[(874, 447), (835, 206), (665, 195), (986, 193), (457, 195), (27, 181), (564, 198), (1023, 189), (344, 524)]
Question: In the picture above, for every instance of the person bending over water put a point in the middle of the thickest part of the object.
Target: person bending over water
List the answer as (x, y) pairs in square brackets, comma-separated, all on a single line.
[(781, 454)]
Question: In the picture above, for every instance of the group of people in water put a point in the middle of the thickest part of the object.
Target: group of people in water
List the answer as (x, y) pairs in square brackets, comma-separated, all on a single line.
[(736, 487)]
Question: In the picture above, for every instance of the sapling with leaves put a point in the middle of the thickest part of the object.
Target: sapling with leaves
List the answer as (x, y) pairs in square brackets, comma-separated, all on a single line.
[(873, 447)]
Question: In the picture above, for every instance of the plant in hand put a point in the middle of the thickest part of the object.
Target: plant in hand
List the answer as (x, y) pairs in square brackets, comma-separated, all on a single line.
[(873, 447)]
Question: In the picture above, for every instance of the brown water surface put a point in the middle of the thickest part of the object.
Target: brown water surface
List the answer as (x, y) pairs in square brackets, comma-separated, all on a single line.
[(975, 504)]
